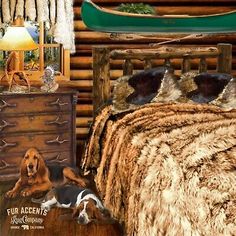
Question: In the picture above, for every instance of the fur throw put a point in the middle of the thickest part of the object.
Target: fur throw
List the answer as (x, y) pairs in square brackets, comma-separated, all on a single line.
[(167, 169)]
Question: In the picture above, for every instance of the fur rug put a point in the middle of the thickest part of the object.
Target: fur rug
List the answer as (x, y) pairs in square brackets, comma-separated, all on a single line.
[(167, 169)]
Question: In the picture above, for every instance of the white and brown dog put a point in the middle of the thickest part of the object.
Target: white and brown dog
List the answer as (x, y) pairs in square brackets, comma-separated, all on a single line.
[(86, 205)]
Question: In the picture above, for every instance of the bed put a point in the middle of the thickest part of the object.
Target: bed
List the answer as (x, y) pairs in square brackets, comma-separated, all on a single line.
[(165, 168)]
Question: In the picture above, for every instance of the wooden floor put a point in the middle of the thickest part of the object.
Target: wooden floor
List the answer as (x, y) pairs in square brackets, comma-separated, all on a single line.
[(51, 225)]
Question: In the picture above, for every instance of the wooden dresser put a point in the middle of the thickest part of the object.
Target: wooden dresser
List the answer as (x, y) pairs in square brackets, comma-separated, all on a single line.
[(45, 121)]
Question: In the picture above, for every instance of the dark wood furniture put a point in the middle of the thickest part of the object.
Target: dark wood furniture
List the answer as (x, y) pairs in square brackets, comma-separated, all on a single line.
[(103, 55), (45, 121)]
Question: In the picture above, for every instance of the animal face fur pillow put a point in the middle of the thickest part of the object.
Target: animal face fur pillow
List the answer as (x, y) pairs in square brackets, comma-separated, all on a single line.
[(162, 85), (152, 85)]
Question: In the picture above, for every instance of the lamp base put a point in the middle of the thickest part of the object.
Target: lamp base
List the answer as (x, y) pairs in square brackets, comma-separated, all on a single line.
[(22, 75)]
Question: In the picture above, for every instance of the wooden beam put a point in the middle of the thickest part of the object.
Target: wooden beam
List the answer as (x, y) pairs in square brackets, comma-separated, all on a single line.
[(203, 65), (224, 64), (163, 53), (101, 76), (98, 37), (85, 49)]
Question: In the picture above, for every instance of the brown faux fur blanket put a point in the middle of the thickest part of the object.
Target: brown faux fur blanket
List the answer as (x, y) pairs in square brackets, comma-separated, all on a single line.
[(167, 169)]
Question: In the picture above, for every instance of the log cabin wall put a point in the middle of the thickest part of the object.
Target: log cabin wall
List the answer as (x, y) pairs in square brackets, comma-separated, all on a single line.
[(81, 61)]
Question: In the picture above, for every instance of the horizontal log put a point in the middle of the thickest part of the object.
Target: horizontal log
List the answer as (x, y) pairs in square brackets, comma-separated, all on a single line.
[(84, 110), (174, 2), (163, 53), (85, 98), (82, 85), (83, 121), (82, 133), (88, 74), (79, 25), (87, 48), (177, 10), (98, 37)]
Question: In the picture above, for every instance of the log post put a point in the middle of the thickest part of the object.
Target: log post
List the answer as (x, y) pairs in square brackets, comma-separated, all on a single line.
[(128, 67), (202, 65), (224, 64), (186, 66), (101, 76)]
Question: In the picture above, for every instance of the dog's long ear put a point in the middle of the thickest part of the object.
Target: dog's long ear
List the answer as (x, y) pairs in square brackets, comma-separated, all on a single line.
[(23, 168), (42, 169), (75, 213)]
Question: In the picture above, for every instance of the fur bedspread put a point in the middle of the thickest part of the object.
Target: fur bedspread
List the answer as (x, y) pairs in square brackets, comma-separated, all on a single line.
[(167, 169)]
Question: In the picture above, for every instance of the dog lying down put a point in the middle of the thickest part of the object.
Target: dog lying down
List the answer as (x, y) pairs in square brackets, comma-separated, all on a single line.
[(87, 207)]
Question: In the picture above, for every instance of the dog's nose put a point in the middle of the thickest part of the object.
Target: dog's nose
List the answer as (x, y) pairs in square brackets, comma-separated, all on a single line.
[(31, 166), (81, 220)]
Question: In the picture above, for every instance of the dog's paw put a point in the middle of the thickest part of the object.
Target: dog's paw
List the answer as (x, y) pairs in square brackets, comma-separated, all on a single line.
[(26, 192), (11, 194), (45, 207)]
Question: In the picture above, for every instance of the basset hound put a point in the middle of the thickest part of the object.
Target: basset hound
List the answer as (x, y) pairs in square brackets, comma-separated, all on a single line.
[(87, 207)]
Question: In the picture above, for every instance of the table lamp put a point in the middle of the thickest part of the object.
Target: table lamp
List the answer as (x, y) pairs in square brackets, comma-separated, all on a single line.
[(17, 40)]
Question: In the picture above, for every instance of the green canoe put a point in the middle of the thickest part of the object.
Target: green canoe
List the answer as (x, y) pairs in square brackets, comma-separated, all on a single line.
[(105, 20)]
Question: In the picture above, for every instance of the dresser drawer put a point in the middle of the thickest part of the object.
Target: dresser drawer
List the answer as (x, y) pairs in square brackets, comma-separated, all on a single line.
[(16, 144), (34, 123), (10, 166), (35, 103)]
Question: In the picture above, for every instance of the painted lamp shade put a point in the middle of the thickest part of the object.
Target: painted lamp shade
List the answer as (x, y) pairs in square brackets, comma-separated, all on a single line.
[(17, 38)]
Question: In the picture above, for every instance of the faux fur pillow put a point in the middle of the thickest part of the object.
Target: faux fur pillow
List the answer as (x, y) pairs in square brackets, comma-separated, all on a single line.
[(162, 85), (224, 84), (152, 85), (227, 99)]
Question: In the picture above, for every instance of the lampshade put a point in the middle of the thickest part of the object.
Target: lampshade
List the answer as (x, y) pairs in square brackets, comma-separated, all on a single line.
[(17, 39)]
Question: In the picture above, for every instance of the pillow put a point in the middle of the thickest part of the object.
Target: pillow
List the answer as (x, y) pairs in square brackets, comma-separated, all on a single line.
[(152, 85), (227, 99), (208, 87)]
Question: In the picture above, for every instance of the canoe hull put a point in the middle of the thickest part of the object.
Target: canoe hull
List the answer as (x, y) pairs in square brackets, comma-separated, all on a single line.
[(99, 20)]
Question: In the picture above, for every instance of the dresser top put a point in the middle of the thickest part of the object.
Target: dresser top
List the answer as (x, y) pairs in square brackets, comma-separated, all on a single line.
[(61, 91)]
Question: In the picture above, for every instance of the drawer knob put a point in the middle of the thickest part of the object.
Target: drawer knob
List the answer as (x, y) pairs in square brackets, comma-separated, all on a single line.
[(57, 141), (58, 103), (56, 159), (5, 105), (6, 145), (6, 124), (57, 122), (6, 165)]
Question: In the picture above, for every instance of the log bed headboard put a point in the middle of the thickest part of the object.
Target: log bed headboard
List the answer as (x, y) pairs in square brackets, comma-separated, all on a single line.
[(103, 54)]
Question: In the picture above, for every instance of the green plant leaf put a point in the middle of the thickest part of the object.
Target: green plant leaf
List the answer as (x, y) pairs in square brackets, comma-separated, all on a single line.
[(139, 8)]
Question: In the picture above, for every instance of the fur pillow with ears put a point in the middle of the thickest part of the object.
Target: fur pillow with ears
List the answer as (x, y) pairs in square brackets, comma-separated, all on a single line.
[(167, 91), (121, 91), (227, 99)]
